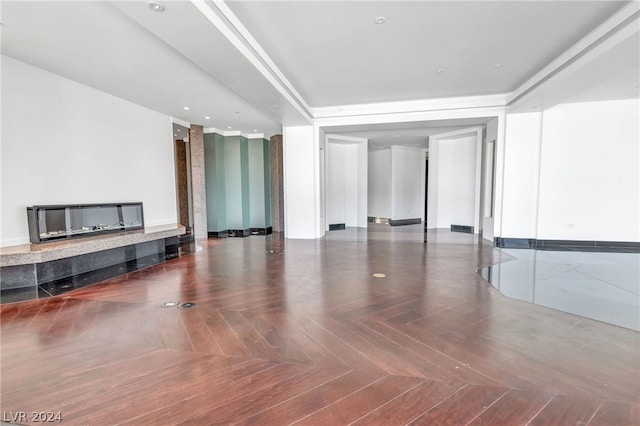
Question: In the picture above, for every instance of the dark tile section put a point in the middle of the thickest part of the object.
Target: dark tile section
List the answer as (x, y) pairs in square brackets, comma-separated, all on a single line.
[(336, 226), (171, 247), (262, 231), (569, 245), (59, 276), (18, 276), (240, 232), (186, 238), (218, 234), (64, 285), (20, 294), (400, 222), (462, 228)]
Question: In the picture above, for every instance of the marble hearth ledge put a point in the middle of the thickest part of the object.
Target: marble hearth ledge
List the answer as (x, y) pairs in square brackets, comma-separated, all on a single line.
[(38, 253)]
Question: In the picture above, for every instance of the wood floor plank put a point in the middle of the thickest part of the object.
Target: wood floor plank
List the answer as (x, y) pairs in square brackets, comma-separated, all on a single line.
[(228, 341), (389, 362), (516, 407), (185, 381), (617, 413), (435, 364), (461, 407), (361, 402), (314, 400), (563, 410), (199, 333), (277, 334), (242, 408), (242, 385), (411, 404)]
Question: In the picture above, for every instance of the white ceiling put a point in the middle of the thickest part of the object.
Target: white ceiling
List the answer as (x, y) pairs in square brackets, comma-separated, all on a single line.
[(324, 53), (335, 54)]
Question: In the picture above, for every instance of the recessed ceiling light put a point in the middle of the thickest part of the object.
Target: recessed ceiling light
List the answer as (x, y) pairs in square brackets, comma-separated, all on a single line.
[(228, 127), (175, 135), (179, 130), (380, 20), (206, 117), (186, 108), (439, 70), (255, 130), (156, 6), (498, 65)]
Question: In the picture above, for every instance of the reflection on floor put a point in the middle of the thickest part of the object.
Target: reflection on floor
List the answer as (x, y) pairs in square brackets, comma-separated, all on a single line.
[(601, 286), (405, 233)]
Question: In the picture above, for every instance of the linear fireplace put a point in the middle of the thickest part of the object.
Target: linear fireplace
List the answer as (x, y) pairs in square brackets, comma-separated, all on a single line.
[(61, 222)]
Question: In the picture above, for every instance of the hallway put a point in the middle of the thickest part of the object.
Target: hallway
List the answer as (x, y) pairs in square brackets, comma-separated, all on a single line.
[(287, 331)]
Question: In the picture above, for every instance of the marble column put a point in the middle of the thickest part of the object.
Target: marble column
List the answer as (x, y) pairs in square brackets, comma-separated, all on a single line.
[(183, 188), (277, 183), (198, 186)]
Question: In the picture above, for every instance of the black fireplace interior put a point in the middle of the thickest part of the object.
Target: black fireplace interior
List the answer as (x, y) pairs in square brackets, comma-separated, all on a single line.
[(57, 222)]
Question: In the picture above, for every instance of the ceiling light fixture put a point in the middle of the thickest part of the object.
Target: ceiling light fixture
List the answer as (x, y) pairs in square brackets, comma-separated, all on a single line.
[(255, 130), (186, 108), (498, 65), (206, 117), (439, 70), (179, 130), (156, 6), (380, 20), (228, 127)]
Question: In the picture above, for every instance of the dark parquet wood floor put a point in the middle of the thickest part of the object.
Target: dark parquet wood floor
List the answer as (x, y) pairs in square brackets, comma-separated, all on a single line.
[(301, 332)]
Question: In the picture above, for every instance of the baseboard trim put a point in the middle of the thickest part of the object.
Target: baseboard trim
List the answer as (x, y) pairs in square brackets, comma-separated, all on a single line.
[(240, 233), (402, 222), (462, 228), (383, 220), (569, 245)]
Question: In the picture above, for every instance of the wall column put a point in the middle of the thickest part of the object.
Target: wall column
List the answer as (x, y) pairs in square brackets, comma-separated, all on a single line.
[(196, 142), (182, 184), (277, 183)]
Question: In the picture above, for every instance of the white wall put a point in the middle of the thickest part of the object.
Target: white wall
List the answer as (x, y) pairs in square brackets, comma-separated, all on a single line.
[(454, 180), (336, 183), (379, 179), (490, 148), (590, 172), (520, 188), (363, 193), (64, 143), (407, 183), (346, 181), (301, 182)]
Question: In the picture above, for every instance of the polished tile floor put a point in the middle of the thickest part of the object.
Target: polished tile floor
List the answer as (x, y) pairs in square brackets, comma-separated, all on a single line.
[(602, 286)]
